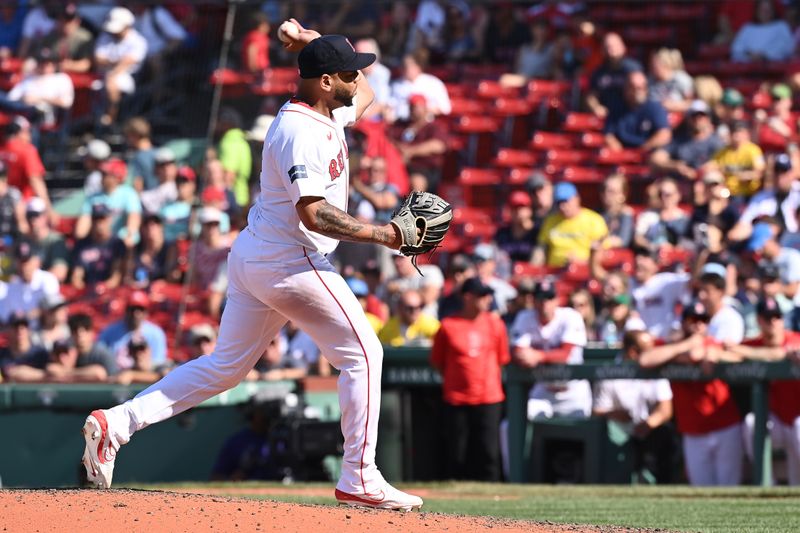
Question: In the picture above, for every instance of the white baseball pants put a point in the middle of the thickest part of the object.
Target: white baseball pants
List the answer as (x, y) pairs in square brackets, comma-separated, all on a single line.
[(782, 436), (270, 283), (714, 458)]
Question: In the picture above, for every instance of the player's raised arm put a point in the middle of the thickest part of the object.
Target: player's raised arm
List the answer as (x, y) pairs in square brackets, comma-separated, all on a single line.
[(321, 217)]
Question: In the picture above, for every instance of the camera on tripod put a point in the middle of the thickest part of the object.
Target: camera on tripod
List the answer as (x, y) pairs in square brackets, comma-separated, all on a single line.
[(297, 438)]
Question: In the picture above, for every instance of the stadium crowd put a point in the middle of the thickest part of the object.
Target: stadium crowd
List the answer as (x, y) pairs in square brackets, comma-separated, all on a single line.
[(604, 196)]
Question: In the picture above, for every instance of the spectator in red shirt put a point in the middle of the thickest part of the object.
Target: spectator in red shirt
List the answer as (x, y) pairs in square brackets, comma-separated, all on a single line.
[(469, 351), (422, 143), (255, 46), (25, 167)]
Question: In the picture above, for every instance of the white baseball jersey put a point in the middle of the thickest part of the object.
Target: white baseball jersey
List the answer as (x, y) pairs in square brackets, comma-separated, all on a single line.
[(726, 325), (567, 327), (305, 154), (637, 397), (656, 298)]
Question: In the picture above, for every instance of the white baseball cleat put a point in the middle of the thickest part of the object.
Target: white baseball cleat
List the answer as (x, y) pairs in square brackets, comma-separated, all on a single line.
[(387, 498), (100, 451)]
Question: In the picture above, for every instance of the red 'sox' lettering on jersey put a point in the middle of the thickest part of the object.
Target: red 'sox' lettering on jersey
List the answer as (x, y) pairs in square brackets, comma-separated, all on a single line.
[(336, 166)]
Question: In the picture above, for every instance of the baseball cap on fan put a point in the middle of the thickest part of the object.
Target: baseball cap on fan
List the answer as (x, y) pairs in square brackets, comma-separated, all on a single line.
[(330, 54), (118, 20)]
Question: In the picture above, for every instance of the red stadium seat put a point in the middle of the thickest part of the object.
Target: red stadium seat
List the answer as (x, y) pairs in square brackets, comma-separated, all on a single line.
[(480, 187), (458, 90), (563, 157), (582, 122), (539, 90), (461, 106), (617, 259), (593, 139), (519, 176), (527, 270), (492, 90), (761, 100), (583, 175), (545, 140), (577, 273), (509, 157), (684, 12), (618, 157), (671, 256)]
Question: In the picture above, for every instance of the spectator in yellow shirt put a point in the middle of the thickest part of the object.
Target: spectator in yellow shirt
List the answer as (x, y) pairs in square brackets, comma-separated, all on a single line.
[(742, 162), (568, 233), (410, 326)]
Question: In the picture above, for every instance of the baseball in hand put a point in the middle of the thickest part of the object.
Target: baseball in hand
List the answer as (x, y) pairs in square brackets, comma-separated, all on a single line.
[(288, 32)]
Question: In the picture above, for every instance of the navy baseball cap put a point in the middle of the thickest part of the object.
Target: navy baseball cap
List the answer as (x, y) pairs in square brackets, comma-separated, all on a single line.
[(544, 290), (783, 163), (330, 54), (476, 286), (696, 310), (769, 308)]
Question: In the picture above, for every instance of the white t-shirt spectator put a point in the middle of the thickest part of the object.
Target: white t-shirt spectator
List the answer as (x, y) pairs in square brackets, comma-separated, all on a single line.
[(154, 199), (727, 325), (428, 85), (655, 301), (765, 204), (26, 297), (132, 45), (158, 27), (772, 40), (45, 88), (637, 397)]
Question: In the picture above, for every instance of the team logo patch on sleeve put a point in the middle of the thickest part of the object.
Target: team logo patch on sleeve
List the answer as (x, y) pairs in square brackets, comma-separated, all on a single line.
[(297, 172)]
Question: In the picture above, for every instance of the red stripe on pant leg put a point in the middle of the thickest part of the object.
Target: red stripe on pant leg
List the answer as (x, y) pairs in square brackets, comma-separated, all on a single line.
[(366, 358)]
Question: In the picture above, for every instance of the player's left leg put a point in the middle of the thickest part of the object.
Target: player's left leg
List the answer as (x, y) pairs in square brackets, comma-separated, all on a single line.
[(319, 301), (728, 457), (792, 445)]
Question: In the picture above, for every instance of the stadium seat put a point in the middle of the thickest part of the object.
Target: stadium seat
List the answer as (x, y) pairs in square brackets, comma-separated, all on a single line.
[(577, 174), (563, 157), (481, 187), (577, 273), (617, 259), (669, 257), (608, 157), (686, 12), (510, 157), (540, 90), (461, 106), (519, 176), (527, 270), (543, 140), (492, 90), (582, 122), (480, 132), (515, 112), (592, 139)]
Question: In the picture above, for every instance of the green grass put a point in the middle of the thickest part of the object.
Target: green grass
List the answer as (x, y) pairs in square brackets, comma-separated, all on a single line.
[(685, 509)]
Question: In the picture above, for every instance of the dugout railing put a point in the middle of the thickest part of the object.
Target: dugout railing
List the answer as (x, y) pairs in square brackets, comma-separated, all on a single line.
[(409, 368)]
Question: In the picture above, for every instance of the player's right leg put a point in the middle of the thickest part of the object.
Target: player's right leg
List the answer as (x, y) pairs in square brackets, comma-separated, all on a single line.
[(318, 300), (246, 328), (729, 454)]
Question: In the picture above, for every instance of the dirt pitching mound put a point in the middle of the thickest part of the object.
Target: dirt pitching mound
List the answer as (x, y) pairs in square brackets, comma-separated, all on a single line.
[(130, 511)]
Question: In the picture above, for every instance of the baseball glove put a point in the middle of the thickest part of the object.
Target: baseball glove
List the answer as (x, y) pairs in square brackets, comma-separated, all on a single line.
[(423, 220)]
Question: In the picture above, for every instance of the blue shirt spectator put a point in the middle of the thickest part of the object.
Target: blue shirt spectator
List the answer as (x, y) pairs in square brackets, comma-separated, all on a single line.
[(639, 123), (117, 335), (608, 80)]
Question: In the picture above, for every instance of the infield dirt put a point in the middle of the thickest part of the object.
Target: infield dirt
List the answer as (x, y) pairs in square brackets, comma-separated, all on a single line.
[(131, 511)]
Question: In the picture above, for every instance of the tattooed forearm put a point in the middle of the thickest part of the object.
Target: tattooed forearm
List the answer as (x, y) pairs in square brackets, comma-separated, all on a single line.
[(334, 222)]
